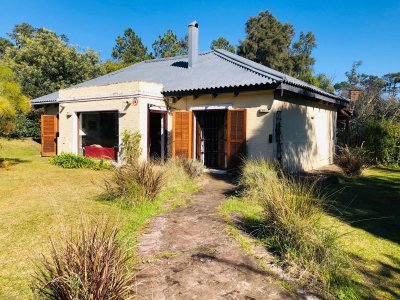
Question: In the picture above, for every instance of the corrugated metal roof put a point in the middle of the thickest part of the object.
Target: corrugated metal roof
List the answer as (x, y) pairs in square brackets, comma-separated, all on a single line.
[(209, 72), (46, 99), (213, 70)]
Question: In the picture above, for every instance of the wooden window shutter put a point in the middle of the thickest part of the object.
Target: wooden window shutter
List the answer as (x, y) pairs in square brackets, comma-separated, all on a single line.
[(236, 139), (49, 135), (182, 134)]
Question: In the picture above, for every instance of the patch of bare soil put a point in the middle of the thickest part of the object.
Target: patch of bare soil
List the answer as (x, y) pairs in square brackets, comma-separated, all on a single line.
[(187, 254)]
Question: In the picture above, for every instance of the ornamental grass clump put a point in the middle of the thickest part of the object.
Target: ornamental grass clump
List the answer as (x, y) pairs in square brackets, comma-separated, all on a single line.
[(293, 230), (351, 160), (192, 168), (87, 265), (135, 180)]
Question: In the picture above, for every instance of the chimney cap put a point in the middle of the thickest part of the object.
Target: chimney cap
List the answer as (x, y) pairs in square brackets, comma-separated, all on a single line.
[(194, 23)]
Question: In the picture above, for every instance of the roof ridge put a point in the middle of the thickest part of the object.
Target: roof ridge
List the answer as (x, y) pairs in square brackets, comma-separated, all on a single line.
[(259, 68), (173, 57)]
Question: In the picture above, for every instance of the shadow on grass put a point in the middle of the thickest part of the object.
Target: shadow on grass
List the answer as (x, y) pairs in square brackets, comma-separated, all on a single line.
[(390, 271), (13, 161), (371, 203)]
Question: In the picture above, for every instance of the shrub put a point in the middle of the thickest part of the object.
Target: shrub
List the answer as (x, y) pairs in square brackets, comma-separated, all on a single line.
[(72, 161), (90, 265), (27, 125), (292, 226), (130, 148), (351, 160), (192, 168), (134, 182), (382, 140)]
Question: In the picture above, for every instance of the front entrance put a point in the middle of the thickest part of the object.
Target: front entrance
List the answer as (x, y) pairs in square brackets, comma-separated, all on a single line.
[(215, 137), (211, 138)]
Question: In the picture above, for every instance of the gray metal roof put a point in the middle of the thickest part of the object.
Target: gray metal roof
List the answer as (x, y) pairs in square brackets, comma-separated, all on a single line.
[(218, 69), (46, 99)]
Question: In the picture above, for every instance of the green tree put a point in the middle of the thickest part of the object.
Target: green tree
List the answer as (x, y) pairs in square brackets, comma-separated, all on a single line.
[(222, 43), (267, 41), (111, 66), (129, 48), (270, 42), (12, 101), (168, 45), (4, 43), (302, 61), (44, 63), (21, 32)]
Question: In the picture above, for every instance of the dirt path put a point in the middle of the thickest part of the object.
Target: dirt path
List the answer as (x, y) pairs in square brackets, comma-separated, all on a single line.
[(187, 254)]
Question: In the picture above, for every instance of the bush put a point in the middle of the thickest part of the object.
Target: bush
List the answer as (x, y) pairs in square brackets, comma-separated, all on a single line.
[(382, 140), (27, 125), (91, 265), (130, 148), (134, 182), (292, 226), (72, 161), (192, 168), (351, 160)]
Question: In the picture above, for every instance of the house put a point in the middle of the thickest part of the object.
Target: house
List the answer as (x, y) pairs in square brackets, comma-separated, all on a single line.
[(214, 107)]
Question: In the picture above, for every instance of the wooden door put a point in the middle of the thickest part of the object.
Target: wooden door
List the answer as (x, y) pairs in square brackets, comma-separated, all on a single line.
[(49, 135), (236, 139), (182, 134)]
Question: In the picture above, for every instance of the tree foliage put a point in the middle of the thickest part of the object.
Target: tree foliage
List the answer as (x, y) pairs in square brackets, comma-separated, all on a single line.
[(168, 45), (12, 101), (129, 48), (375, 117), (222, 43), (4, 43), (44, 61), (271, 43)]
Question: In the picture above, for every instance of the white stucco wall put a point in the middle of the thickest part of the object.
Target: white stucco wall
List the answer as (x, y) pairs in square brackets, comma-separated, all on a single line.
[(308, 128), (116, 97)]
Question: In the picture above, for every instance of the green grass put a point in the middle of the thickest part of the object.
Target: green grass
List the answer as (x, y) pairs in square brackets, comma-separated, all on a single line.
[(366, 211), (39, 200)]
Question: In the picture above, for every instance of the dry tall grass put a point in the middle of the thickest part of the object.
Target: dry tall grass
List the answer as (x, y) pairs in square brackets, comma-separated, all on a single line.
[(293, 230)]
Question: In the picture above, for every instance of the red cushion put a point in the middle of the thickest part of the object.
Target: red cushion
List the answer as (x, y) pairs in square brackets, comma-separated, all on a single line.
[(95, 152)]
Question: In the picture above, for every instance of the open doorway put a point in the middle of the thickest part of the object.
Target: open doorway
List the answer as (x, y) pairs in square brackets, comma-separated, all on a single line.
[(211, 138), (157, 134), (98, 134)]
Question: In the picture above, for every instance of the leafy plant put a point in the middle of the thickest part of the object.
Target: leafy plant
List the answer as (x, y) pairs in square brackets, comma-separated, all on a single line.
[(89, 265), (292, 227), (73, 161), (382, 139), (130, 148)]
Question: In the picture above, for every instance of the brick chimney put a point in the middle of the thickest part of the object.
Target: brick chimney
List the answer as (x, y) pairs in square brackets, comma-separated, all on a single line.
[(354, 95), (193, 43)]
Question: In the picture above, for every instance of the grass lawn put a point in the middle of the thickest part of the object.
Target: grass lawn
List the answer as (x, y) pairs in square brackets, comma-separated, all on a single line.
[(366, 210), (39, 200)]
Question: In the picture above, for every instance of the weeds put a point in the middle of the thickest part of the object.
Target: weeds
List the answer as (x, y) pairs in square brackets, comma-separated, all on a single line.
[(192, 168), (351, 160), (134, 182), (91, 265), (292, 229)]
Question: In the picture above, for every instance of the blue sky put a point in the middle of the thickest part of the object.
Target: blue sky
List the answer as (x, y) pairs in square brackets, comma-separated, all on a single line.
[(345, 30)]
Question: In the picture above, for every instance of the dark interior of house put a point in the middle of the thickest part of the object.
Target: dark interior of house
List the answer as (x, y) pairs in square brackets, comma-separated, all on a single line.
[(99, 134), (155, 138), (211, 138)]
